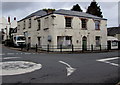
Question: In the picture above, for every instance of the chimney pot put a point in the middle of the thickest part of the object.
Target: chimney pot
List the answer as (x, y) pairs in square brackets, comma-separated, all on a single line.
[(8, 19), (14, 18)]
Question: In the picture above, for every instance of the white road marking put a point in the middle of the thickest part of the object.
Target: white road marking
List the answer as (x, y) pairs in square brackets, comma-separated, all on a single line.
[(10, 53), (70, 70), (106, 60), (2, 54), (18, 67), (16, 53), (27, 53), (9, 58)]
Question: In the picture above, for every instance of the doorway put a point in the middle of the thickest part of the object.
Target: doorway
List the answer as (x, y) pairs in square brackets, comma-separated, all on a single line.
[(84, 43)]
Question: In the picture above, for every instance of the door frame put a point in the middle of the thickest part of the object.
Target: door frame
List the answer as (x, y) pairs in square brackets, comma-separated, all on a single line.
[(84, 43)]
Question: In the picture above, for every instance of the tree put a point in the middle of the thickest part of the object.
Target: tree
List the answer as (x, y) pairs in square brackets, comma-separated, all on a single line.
[(94, 9), (76, 8)]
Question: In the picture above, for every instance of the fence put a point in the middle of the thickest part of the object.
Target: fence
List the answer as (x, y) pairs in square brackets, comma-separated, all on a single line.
[(61, 48)]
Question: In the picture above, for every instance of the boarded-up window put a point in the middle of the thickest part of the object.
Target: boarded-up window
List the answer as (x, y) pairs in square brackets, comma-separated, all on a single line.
[(65, 41), (98, 43)]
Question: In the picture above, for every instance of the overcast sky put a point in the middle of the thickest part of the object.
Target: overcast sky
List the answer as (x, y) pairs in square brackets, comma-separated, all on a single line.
[(23, 9)]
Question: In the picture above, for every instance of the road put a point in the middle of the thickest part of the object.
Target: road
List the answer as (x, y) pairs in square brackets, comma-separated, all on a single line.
[(84, 68)]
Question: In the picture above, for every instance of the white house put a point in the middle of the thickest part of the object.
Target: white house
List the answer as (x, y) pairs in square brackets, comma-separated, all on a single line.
[(66, 28)]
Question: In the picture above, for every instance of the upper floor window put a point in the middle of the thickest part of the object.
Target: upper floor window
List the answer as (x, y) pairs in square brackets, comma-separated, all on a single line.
[(24, 25), (97, 25), (84, 23), (30, 23), (39, 25), (46, 23), (68, 22)]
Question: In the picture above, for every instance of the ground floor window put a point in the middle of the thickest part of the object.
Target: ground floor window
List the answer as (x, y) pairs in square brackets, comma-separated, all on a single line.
[(114, 43), (29, 40), (39, 41), (65, 41), (98, 43)]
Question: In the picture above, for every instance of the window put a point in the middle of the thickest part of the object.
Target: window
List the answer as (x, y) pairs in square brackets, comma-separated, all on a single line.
[(39, 41), (29, 40), (68, 21), (98, 41), (20, 38), (46, 23), (65, 41), (84, 24), (39, 25), (114, 43), (30, 23), (97, 25), (24, 25)]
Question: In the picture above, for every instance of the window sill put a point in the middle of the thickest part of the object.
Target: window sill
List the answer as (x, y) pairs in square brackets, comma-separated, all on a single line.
[(38, 29), (84, 29), (68, 27), (97, 29), (45, 28)]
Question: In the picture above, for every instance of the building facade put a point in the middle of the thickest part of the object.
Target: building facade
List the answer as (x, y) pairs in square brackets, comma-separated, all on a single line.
[(66, 28), (115, 32)]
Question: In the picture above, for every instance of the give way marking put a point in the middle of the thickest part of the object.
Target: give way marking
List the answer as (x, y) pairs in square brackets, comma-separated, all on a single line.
[(106, 60), (70, 70)]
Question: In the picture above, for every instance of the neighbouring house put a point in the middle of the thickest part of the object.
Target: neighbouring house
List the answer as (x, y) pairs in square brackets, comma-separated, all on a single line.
[(66, 28), (114, 37), (3, 27), (114, 31), (6, 27)]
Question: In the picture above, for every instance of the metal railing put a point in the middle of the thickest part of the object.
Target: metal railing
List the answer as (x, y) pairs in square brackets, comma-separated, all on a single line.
[(62, 48)]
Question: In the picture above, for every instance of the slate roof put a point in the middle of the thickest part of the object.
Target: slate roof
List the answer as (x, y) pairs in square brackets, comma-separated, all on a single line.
[(75, 13), (42, 13), (37, 13), (113, 30)]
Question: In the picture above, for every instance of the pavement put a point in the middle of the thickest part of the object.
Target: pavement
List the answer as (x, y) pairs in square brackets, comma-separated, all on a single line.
[(46, 68)]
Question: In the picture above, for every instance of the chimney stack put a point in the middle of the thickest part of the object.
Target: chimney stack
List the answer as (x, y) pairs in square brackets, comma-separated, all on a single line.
[(9, 19), (14, 18)]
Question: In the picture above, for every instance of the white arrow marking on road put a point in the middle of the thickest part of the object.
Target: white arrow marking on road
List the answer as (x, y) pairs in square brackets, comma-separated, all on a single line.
[(106, 60), (70, 70)]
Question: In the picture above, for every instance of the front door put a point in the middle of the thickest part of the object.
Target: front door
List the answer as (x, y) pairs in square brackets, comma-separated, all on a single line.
[(84, 43)]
